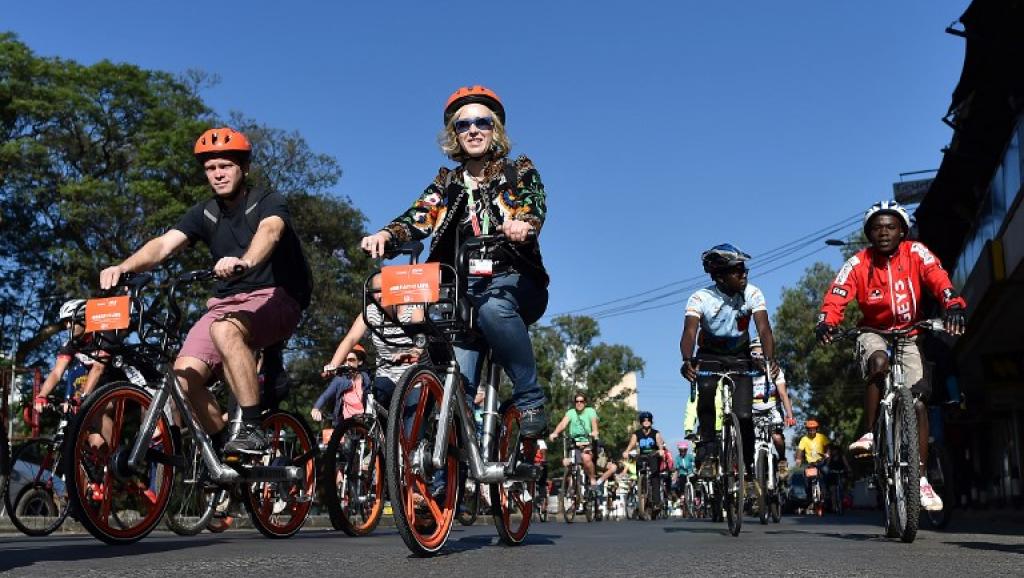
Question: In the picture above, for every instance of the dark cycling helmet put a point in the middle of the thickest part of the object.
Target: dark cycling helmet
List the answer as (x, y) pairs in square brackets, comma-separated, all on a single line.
[(222, 140), (473, 94), (722, 257), (887, 208), (645, 415)]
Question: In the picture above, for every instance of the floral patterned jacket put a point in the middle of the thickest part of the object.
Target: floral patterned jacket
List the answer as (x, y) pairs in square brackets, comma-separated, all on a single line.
[(438, 210)]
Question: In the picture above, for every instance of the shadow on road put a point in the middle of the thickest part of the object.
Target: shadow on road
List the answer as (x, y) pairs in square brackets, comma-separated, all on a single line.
[(51, 550), (470, 543), (720, 530), (990, 546)]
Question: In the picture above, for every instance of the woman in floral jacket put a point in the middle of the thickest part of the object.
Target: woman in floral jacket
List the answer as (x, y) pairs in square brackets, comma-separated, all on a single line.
[(486, 194)]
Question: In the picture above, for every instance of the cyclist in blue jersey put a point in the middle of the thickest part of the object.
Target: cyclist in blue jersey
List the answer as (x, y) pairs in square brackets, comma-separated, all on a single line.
[(722, 313), (684, 467)]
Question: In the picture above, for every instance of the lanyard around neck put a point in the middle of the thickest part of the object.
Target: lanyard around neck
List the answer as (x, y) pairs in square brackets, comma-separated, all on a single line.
[(474, 219)]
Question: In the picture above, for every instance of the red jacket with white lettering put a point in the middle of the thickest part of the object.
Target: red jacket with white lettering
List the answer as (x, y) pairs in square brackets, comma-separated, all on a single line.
[(888, 289)]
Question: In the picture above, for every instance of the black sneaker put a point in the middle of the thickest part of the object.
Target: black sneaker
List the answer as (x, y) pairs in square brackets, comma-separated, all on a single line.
[(533, 423), (251, 439)]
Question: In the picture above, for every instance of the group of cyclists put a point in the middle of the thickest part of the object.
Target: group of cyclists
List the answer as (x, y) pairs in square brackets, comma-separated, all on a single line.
[(264, 284)]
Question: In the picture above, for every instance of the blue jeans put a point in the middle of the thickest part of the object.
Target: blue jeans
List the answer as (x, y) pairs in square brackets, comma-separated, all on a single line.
[(505, 305)]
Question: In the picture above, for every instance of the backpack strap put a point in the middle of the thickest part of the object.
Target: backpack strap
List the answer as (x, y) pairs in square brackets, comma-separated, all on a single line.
[(211, 212)]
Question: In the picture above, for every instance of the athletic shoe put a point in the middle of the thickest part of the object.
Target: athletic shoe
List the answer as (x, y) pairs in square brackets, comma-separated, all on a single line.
[(864, 445), (929, 499)]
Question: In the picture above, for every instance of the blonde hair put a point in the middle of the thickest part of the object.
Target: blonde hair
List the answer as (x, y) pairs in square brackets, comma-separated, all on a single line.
[(449, 139)]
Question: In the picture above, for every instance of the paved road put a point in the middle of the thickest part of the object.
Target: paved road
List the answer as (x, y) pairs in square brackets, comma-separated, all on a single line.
[(848, 546)]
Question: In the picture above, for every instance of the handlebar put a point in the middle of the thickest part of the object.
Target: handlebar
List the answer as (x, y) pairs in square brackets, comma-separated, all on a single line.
[(926, 324)]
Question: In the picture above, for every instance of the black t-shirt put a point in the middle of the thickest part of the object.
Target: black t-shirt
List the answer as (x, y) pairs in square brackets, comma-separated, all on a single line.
[(648, 442), (232, 236)]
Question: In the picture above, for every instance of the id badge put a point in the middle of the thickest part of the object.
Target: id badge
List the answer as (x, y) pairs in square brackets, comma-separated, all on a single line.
[(481, 267)]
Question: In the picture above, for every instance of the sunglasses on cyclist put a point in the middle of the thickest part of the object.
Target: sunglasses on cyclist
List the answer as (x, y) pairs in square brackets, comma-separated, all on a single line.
[(737, 270), (481, 122), (581, 401)]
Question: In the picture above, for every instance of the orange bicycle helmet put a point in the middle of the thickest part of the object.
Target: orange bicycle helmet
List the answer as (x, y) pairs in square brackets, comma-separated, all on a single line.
[(811, 423), (473, 94), (222, 140)]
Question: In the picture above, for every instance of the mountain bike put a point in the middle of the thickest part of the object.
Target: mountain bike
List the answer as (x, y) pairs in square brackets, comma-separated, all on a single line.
[(125, 445), (729, 484), (432, 428), (766, 458), (576, 493), (896, 455)]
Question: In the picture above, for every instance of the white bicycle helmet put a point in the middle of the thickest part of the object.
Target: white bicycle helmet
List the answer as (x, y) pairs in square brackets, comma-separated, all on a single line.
[(69, 308), (887, 208)]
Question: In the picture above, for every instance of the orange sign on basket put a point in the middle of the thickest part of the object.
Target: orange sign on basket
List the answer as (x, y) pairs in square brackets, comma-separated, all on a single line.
[(107, 313), (410, 284)]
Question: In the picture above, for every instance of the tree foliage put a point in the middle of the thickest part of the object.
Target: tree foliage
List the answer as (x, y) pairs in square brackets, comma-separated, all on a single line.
[(824, 382), (571, 360), (95, 160)]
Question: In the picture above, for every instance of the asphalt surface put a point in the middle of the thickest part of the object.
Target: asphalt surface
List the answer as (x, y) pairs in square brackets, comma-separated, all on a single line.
[(831, 546)]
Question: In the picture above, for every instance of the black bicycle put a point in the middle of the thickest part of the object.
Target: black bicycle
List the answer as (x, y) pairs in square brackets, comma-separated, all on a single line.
[(729, 485), (896, 455)]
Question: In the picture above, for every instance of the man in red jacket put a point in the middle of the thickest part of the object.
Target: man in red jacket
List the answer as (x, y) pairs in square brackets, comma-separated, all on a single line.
[(887, 280)]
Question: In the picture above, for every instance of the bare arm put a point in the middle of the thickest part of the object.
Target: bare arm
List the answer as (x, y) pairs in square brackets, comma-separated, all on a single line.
[(150, 255), (59, 367), (593, 427), (687, 343), (558, 429), (764, 331), (630, 446), (355, 333), (95, 373), (268, 234), (786, 405)]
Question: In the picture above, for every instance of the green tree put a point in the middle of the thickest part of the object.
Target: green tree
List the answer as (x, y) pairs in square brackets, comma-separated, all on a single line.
[(824, 382), (570, 359), (94, 160)]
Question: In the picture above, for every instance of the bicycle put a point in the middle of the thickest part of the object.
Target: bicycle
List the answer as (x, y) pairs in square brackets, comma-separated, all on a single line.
[(649, 490), (940, 475), (766, 459), (896, 456), (729, 484), (541, 498), (576, 492), (423, 456), (353, 469), (125, 448)]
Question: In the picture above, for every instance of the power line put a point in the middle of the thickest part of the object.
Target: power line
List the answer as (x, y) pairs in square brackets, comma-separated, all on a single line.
[(769, 256)]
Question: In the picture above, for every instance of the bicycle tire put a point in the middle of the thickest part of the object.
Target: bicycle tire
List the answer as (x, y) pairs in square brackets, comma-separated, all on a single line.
[(940, 476), (39, 508), (418, 397), (907, 476), (734, 474), (761, 472), (192, 496), (586, 494), (469, 503), (512, 500), (124, 404), (641, 497), (567, 498), (366, 489), (280, 509)]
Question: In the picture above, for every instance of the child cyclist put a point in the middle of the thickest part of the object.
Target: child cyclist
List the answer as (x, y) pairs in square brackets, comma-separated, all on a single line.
[(722, 312)]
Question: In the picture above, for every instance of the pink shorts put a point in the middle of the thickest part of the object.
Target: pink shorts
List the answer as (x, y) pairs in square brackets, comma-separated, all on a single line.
[(274, 316)]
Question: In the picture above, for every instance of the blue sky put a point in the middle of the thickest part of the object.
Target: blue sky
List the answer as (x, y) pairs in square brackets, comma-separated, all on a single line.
[(659, 128)]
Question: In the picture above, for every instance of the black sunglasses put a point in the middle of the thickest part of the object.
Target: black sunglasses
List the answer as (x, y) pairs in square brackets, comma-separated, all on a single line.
[(581, 401), (481, 122)]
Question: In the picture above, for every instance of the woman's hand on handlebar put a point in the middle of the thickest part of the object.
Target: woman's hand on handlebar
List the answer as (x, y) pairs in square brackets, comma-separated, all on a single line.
[(516, 231), (374, 244), (228, 267)]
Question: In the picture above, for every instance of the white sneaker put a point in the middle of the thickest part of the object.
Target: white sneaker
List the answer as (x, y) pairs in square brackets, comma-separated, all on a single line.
[(865, 444), (929, 499)]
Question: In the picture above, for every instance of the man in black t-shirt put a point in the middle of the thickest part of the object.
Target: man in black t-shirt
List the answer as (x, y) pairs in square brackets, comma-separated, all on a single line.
[(247, 231)]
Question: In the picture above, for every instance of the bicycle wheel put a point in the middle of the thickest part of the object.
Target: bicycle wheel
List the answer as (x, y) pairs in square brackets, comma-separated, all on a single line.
[(587, 497), (733, 472), (940, 476), (115, 503), (192, 494), (513, 499), (278, 509), (353, 478), (541, 508), (41, 501), (469, 503), (632, 504), (567, 497), (761, 472), (642, 498), (424, 499), (906, 487)]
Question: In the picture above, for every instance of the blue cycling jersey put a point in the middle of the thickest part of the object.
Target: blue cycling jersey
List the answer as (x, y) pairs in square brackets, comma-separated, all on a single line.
[(725, 319)]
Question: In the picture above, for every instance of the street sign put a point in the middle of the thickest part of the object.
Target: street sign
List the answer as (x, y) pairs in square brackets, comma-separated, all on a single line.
[(910, 192)]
